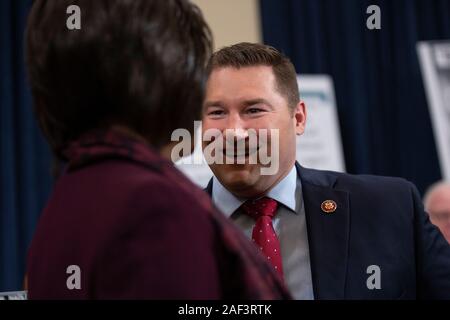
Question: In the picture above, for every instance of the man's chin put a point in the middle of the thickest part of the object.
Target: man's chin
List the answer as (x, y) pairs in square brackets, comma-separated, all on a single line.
[(237, 177)]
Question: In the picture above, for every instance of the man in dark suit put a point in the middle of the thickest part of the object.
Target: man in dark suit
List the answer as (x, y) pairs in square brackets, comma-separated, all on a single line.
[(340, 236)]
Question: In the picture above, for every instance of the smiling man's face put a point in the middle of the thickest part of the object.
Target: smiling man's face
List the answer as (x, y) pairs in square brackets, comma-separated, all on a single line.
[(247, 98)]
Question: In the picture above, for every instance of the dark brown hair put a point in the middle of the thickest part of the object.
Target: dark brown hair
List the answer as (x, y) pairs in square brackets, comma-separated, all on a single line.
[(137, 63), (246, 54)]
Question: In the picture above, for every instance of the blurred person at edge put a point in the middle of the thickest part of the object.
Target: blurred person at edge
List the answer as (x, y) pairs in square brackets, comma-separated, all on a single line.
[(121, 218), (437, 204), (330, 235)]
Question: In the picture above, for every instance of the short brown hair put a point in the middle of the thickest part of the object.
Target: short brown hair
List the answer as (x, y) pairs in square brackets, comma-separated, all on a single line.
[(247, 54), (137, 63)]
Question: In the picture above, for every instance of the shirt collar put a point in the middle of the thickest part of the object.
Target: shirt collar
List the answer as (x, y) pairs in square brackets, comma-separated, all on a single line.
[(283, 192)]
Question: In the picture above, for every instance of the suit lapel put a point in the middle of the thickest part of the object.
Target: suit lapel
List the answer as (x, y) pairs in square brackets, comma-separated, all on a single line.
[(328, 233)]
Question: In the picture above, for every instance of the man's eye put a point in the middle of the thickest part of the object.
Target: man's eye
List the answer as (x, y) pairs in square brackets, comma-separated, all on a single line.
[(254, 110), (215, 113)]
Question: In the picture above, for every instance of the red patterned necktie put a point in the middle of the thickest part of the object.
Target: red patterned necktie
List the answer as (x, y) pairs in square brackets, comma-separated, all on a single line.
[(264, 236)]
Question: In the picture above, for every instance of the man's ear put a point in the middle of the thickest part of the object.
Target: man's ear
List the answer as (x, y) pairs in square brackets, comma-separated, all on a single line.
[(300, 118)]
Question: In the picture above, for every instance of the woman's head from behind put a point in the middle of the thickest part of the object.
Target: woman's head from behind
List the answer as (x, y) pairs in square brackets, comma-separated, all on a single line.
[(138, 64)]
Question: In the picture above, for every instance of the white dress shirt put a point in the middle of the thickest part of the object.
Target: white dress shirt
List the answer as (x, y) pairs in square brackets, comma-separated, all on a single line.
[(289, 224)]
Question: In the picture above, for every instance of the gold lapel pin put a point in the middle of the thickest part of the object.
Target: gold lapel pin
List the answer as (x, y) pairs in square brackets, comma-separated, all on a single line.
[(328, 206)]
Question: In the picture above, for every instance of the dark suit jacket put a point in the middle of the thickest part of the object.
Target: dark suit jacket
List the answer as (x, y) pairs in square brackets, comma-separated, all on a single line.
[(138, 229), (379, 221)]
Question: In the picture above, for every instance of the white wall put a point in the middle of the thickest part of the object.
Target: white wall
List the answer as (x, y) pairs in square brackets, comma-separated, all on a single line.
[(232, 21)]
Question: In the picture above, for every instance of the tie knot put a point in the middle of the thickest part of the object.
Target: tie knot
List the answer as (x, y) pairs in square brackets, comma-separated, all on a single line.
[(260, 207)]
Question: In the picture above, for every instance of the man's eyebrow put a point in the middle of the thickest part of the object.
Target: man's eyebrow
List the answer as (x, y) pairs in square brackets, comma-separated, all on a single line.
[(252, 102), (208, 104), (248, 102)]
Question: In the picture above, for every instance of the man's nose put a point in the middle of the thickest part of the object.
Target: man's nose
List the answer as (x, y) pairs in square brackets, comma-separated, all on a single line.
[(235, 121), (236, 128)]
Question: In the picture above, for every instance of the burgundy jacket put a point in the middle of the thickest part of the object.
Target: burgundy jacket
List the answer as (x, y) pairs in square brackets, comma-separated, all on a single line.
[(138, 229)]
